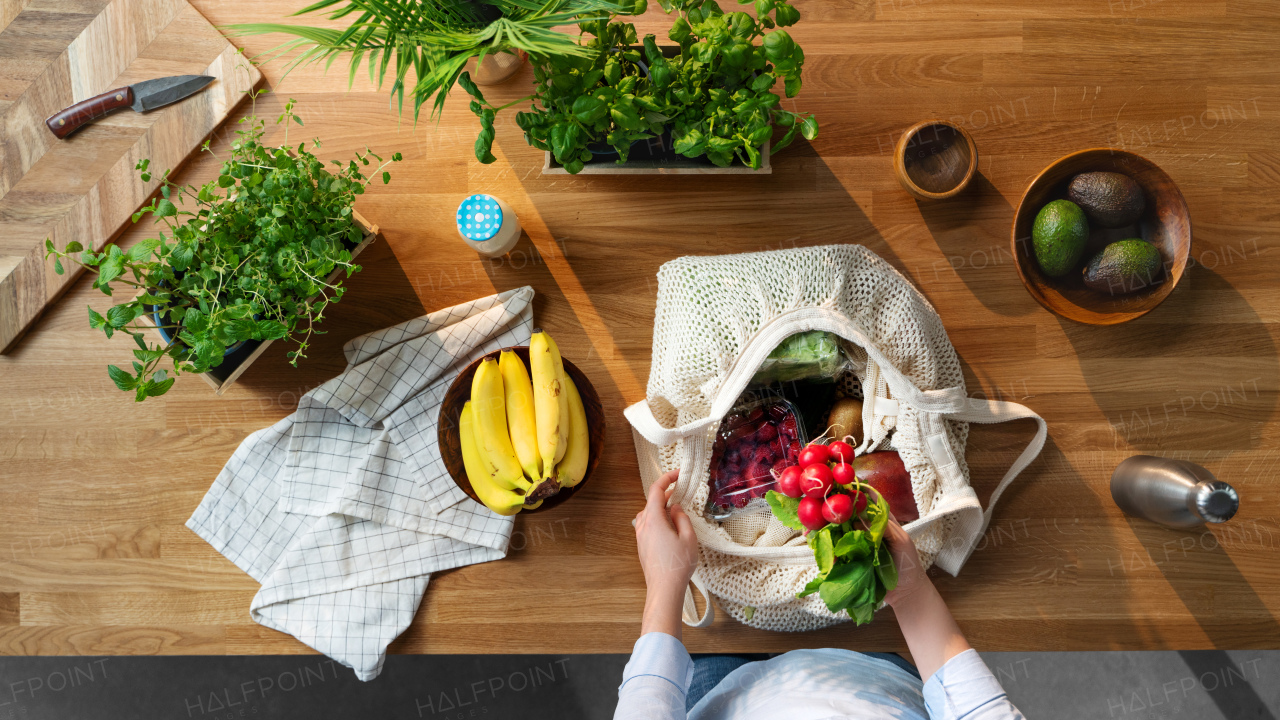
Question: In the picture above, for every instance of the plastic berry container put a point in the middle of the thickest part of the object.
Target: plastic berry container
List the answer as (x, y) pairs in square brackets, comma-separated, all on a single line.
[(755, 441)]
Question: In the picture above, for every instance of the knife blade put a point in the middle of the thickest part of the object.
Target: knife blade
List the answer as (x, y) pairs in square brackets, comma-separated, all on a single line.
[(141, 97)]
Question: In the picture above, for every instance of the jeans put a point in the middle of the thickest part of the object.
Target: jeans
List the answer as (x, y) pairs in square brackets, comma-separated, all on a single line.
[(709, 670)]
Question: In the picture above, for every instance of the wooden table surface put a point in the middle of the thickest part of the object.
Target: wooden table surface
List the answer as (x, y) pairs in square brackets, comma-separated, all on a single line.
[(94, 557)]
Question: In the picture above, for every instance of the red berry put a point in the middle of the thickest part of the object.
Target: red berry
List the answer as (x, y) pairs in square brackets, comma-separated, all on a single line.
[(837, 509), (762, 456), (789, 482), (814, 454), (766, 433), (815, 480), (810, 513), (841, 451), (777, 412), (793, 451), (843, 474)]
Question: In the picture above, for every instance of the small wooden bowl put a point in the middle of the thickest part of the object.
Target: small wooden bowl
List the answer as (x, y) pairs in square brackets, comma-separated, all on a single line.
[(1165, 224), (460, 392), (935, 160)]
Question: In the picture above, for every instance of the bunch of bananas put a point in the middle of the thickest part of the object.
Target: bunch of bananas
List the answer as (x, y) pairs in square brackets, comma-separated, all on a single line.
[(523, 439)]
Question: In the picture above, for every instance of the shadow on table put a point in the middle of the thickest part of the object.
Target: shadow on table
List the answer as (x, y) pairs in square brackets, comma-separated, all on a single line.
[(378, 296), (972, 231), (1211, 405)]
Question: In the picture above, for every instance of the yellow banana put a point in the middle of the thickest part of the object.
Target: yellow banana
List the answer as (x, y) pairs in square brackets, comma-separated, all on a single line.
[(520, 419), (574, 464), (493, 443), (550, 404), (503, 502), (534, 506)]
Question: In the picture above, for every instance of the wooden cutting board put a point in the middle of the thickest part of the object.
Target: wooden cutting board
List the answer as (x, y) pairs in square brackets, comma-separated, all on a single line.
[(54, 53)]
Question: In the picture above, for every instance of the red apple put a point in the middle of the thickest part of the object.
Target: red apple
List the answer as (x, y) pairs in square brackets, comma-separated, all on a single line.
[(837, 509), (816, 481), (814, 454), (843, 474), (810, 513), (841, 451), (886, 474), (789, 482)]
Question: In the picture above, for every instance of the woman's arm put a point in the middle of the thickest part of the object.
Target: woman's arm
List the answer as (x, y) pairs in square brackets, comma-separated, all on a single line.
[(932, 634), (657, 677), (958, 683)]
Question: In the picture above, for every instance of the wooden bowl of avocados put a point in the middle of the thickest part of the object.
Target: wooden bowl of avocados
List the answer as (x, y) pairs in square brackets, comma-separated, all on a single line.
[(1164, 222), (459, 393)]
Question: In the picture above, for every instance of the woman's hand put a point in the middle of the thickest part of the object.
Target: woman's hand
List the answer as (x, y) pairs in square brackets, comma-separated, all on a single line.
[(668, 551), (911, 574)]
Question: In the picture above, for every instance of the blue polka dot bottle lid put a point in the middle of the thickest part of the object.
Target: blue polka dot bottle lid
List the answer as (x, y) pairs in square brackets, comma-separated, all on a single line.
[(479, 217)]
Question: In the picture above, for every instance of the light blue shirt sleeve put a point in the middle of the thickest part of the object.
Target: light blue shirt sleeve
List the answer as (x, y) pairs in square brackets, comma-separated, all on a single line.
[(964, 689), (656, 679)]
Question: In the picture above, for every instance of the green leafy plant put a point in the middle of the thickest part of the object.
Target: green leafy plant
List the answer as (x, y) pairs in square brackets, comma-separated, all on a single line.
[(243, 257), (603, 98), (714, 96), (855, 567), (434, 38)]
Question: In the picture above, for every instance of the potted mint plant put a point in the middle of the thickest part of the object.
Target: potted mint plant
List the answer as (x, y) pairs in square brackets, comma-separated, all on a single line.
[(248, 256)]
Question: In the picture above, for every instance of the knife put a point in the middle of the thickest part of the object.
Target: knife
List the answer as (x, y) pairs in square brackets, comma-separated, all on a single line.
[(141, 97)]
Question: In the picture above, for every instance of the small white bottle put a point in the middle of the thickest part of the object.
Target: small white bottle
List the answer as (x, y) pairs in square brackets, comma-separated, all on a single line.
[(488, 225)]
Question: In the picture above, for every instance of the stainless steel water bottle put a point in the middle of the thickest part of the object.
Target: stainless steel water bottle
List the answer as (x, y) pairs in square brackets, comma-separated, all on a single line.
[(1176, 493)]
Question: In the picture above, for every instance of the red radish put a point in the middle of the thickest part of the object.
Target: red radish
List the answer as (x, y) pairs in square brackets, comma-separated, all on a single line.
[(843, 474), (814, 454), (841, 451), (837, 509), (810, 513), (789, 482), (859, 502), (816, 481)]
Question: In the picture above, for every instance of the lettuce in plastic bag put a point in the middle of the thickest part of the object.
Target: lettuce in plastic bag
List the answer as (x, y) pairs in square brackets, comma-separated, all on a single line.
[(804, 356)]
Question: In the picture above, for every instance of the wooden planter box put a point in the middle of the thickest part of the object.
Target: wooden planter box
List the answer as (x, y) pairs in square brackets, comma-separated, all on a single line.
[(658, 159), (234, 365)]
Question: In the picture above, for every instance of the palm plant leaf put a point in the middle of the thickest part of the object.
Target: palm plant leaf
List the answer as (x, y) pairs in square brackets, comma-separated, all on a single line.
[(432, 38)]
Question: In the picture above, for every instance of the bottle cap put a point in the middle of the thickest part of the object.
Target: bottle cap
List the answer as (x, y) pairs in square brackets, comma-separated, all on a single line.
[(479, 217), (1216, 501)]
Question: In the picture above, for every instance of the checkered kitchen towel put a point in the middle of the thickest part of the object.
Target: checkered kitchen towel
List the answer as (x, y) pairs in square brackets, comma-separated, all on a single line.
[(344, 509)]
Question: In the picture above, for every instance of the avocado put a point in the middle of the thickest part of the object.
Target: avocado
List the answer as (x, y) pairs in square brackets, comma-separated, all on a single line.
[(1058, 236), (1124, 266), (1109, 199)]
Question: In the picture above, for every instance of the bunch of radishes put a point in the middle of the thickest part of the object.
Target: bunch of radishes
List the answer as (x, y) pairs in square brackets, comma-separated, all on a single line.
[(826, 484)]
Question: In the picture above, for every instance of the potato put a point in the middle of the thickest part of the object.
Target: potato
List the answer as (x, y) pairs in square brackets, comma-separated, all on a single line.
[(845, 419)]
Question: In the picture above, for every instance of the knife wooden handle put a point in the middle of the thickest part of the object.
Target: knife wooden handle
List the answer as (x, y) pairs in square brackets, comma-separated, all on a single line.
[(85, 111)]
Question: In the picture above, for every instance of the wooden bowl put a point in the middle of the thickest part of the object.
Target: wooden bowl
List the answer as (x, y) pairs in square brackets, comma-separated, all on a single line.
[(1165, 224), (460, 392), (935, 159)]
